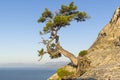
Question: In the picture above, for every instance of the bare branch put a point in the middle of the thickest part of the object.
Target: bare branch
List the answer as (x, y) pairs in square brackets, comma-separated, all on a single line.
[(44, 41), (40, 58)]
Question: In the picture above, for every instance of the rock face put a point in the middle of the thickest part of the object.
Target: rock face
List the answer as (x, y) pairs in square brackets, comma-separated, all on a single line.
[(109, 37), (105, 52)]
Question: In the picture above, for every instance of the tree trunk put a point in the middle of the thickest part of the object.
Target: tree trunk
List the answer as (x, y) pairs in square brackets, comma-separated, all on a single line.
[(67, 54)]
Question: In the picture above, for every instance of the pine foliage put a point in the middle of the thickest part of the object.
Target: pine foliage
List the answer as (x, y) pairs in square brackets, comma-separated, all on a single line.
[(54, 22)]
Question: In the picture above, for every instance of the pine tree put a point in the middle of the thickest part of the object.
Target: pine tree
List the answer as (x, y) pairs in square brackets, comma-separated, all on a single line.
[(53, 23)]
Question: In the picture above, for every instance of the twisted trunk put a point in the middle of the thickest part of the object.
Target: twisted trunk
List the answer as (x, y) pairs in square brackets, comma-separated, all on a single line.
[(67, 54), (60, 50)]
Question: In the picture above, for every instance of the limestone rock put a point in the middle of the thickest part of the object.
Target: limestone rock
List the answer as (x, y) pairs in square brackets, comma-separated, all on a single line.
[(54, 77), (109, 37), (105, 65), (105, 52)]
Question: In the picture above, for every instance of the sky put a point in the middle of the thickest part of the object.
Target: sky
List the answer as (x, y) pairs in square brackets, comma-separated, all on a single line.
[(19, 30)]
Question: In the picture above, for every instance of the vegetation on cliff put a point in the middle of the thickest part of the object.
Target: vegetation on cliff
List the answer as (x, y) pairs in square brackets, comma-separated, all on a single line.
[(62, 73), (82, 53)]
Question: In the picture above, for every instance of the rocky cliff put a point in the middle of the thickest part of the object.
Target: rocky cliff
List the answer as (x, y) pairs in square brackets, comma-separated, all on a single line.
[(109, 37), (104, 54)]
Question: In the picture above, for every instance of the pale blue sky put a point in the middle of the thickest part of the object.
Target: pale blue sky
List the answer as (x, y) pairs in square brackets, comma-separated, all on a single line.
[(19, 30)]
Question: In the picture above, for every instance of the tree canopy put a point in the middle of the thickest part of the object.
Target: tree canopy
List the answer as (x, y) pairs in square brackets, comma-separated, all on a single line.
[(54, 22)]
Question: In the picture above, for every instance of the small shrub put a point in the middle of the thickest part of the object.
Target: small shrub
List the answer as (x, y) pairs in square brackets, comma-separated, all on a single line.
[(63, 73), (83, 53)]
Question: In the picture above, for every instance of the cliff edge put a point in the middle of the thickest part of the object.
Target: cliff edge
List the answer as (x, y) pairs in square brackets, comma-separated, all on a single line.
[(104, 54)]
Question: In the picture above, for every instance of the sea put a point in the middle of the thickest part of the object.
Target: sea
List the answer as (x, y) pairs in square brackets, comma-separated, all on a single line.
[(25, 73)]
